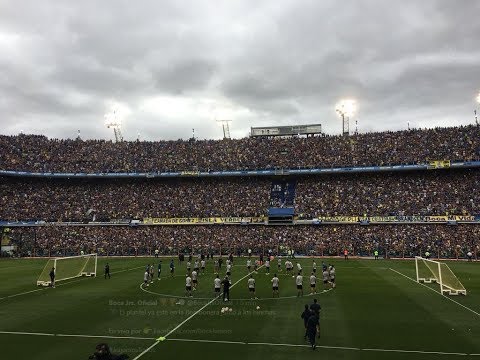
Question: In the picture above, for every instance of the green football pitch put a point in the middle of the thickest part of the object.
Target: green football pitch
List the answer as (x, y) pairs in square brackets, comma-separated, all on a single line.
[(377, 311)]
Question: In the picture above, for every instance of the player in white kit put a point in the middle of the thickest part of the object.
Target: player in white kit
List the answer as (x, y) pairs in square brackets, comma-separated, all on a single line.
[(275, 283), (194, 279), (313, 283), (188, 286), (217, 285), (299, 282), (251, 287)]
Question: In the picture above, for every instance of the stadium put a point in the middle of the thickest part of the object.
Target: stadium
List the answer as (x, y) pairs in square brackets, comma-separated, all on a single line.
[(280, 180), (403, 208)]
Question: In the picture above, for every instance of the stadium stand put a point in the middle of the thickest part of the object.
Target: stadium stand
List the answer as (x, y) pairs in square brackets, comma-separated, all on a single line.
[(102, 210), (394, 240), (40, 154)]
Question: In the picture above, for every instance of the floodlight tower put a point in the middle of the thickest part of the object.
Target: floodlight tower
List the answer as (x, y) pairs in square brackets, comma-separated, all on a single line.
[(226, 128), (112, 122), (346, 108)]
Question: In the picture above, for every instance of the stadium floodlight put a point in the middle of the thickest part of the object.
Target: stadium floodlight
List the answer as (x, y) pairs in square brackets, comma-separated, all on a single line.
[(346, 108), (113, 122)]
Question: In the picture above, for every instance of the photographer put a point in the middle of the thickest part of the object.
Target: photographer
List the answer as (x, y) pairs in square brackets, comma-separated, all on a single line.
[(102, 352)]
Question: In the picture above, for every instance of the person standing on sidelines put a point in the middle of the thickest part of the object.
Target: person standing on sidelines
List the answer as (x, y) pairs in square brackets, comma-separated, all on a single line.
[(345, 254), (107, 271), (52, 277), (469, 255), (159, 270), (375, 253)]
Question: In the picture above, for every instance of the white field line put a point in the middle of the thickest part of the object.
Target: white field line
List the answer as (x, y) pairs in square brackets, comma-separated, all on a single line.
[(187, 319), (438, 292), (64, 283), (239, 343), (76, 335)]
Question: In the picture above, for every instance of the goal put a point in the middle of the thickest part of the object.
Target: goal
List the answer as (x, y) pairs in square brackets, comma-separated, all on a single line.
[(68, 268), (429, 271)]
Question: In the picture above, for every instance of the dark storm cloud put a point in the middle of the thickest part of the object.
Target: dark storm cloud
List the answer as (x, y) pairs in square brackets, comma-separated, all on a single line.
[(271, 62), (184, 75)]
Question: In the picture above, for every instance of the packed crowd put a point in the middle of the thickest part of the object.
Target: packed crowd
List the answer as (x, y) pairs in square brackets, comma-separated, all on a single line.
[(390, 240), (103, 200), (446, 192), (40, 154), (418, 193)]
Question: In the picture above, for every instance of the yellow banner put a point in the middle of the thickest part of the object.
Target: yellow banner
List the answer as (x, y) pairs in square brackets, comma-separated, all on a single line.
[(439, 164), (200, 221), (343, 219)]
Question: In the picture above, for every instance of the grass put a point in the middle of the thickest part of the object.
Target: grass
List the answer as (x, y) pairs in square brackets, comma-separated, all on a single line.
[(372, 307)]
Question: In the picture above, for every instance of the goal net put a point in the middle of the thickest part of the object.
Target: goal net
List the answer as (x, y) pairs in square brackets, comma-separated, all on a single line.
[(429, 271), (68, 268)]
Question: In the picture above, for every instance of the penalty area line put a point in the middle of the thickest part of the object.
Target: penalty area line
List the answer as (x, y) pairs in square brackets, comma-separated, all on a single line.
[(438, 292)]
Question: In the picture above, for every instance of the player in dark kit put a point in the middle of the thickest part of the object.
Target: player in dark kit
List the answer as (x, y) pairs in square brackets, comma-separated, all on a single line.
[(315, 307), (305, 316), (226, 289), (172, 268), (313, 326), (107, 271), (52, 277)]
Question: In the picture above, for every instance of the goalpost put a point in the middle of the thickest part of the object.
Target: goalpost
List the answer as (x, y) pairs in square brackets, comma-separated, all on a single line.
[(429, 271), (68, 268)]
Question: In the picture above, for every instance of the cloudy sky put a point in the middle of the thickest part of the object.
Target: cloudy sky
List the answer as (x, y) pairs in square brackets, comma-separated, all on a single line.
[(166, 67)]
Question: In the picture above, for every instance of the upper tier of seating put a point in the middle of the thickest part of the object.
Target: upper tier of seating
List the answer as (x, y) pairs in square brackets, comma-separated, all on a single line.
[(39, 154)]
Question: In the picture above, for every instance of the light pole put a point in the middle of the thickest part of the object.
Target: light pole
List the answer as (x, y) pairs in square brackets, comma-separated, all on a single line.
[(112, 122), (346, 108)]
